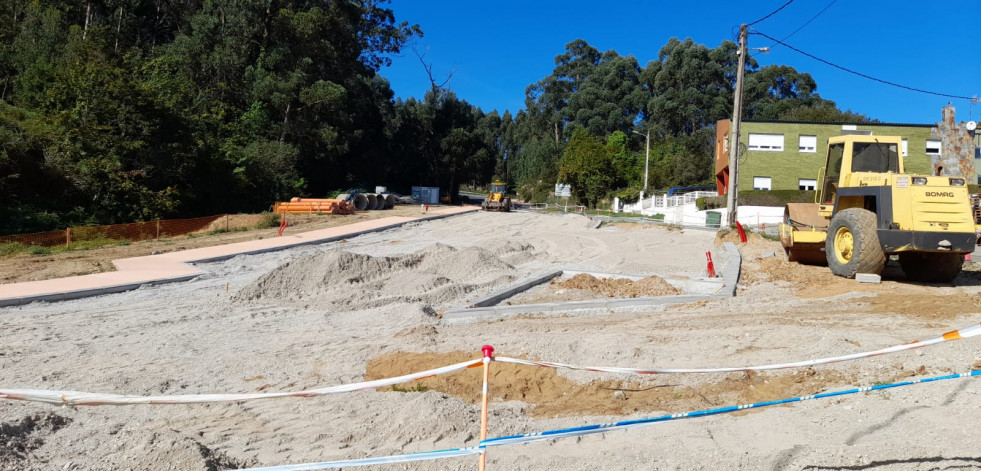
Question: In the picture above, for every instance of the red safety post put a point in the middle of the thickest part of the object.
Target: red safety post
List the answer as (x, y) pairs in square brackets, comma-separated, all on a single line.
[(742, 234), (427, 208), (488, 351), (711, 267), (282, 225)]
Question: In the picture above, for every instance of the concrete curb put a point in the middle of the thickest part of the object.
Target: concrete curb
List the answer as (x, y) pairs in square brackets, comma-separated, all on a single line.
[(484, 308), (514, 289), (171, 267), (730, 275)]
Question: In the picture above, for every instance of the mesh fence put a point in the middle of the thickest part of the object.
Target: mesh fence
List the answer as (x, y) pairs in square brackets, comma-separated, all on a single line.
[(132, 232)]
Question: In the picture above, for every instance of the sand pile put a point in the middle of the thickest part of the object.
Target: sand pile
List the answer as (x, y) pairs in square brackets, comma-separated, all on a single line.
[(619, 287), (586, 287), (437, 274)]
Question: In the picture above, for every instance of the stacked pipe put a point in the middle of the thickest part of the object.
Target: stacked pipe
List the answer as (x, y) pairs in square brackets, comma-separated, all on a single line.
[(345, 204), (313, 206), (369, 201)]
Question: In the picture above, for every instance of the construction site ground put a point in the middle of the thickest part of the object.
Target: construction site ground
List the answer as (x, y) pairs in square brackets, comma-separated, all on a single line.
[(369, 307), (226, 230)]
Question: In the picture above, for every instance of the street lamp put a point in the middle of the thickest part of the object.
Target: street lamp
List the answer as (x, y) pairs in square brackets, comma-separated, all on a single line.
[(647, 159)]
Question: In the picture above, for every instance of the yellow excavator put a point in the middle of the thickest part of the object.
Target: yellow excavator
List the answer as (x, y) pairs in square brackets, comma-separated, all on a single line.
[(867, 208), (497, 200)]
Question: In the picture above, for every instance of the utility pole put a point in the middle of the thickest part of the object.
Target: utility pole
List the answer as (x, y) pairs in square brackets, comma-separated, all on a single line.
[(737, 116)]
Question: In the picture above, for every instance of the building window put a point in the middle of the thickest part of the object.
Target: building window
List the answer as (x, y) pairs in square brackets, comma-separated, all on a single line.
[(767, 142), (762, 183), (806, 184), (905, 147), (933, 147), (807, 143)]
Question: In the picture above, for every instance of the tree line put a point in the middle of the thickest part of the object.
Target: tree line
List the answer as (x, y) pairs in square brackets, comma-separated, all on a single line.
[(125, 110)]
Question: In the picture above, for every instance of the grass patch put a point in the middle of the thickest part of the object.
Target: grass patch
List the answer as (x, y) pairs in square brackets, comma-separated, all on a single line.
[(38, 250), (417, 387), (13, 248), (19, 248), (225, 231), (268, 220), (86, 244)]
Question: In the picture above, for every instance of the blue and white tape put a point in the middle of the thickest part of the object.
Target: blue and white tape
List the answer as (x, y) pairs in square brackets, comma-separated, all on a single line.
[(422, 456), (602, 428), (593, 429)]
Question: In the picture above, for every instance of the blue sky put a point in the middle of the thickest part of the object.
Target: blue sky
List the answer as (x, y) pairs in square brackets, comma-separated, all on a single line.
[(496, 49)]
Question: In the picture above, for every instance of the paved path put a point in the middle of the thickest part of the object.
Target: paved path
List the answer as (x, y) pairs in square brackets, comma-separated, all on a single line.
[(131, 273)]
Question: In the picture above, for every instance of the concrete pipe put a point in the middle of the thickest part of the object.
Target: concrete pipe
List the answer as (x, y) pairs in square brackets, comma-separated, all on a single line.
[(360, 202), (372, 201), (381, 202), (389, 201)]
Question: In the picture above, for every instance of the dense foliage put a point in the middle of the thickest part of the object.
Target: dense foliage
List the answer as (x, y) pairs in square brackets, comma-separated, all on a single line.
[(125, 110)]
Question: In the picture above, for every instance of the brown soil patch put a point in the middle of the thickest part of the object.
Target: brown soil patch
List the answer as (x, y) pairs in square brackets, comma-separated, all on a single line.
[(898, 297), (618, 287), (25, 267), (586, 287), (754, 246), (804, 278), (552, 395)]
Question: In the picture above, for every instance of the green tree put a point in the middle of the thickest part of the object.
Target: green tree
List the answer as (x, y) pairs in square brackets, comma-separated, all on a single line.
[(690, 86), (587, 167)]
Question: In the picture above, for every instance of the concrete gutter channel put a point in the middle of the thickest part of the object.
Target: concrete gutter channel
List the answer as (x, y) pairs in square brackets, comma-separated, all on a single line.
[(171, 267), (486, 308)]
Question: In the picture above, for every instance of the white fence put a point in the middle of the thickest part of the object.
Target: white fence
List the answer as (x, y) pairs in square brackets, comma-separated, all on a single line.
[(681, 210)]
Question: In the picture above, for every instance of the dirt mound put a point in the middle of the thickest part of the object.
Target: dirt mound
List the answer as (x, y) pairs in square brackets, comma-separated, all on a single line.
[(619, 287), (552, 395), (437, 274), (22, 437), (513, 251), (754, 246), (474, 264)]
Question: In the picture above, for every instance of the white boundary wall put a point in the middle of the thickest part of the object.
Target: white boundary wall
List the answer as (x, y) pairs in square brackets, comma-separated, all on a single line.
[(681, 210)]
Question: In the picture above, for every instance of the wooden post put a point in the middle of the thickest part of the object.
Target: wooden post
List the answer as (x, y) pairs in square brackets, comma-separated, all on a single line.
[(488, 351), (68, 236), (158, 230)]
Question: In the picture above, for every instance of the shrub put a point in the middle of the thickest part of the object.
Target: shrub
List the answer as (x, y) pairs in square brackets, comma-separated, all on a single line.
[(626, 195), (39, 250), (535, 193), (776, 198)]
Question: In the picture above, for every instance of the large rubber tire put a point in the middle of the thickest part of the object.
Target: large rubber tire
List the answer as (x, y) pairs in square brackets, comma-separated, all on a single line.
[(931, 267), (853, 245)]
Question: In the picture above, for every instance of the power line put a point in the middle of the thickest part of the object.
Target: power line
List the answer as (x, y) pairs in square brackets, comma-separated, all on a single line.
[(774, 12), (801, 26), (920, 90), (808, 21)]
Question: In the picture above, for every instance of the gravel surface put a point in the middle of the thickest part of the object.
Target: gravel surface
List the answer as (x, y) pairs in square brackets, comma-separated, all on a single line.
[(368, 307)]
